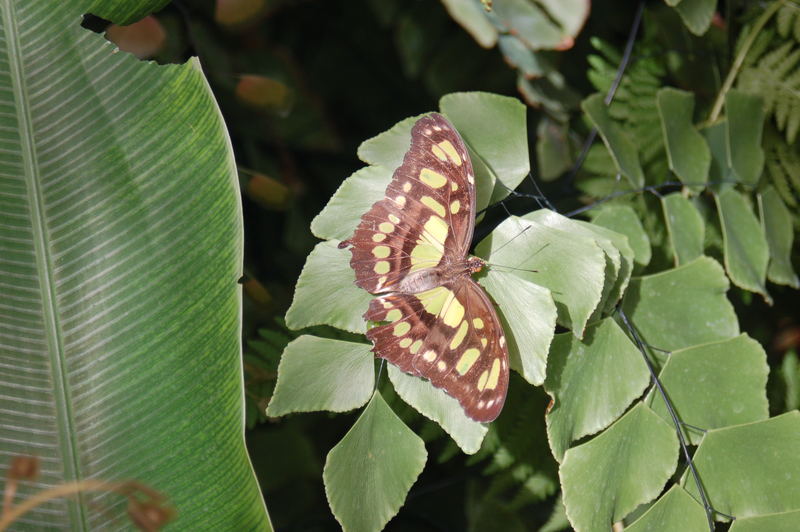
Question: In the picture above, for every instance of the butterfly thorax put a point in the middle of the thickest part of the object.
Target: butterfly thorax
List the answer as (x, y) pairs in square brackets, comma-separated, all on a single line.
[(429, 278)]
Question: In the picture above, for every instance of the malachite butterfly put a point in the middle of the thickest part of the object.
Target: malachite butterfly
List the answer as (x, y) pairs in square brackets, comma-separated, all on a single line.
[(410, 250)]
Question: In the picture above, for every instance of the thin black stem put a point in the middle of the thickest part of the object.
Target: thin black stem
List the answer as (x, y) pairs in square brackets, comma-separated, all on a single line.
[(675, 419)]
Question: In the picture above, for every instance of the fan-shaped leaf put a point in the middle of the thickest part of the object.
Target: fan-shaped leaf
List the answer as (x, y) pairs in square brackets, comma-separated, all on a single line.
[(627, 465), (688, 154), (592, 382), (554, 259), (435, 404), (715, 385), (685, 228), (322, 374), (624, 220), (781, 522), (745, 119), (325, 293), (368, 474), (746, 249), (675, 511), (621, 148), (683, 306), (528, 315), (767, 466)]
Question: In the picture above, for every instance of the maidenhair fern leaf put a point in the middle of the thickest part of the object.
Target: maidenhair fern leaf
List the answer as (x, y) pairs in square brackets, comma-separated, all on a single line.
[(776, 77)]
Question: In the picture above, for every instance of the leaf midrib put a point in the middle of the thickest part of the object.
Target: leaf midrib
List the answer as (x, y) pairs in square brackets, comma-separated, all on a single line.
[(44, 263)]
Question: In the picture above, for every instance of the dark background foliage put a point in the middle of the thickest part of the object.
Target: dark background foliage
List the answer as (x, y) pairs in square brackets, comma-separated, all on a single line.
[(323, 77)]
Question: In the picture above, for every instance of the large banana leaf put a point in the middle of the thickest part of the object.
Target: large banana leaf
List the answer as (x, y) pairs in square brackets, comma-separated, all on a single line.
[(120, 250)]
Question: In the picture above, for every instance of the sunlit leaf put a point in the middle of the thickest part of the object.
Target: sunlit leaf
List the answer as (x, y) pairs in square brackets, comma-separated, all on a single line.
[(779, 522), (472, 17), (715, 385), (551, 258), (751, 469), (326, 294), (368, 473), (624, 220), (435, 404), (528, 315), (592, 382), (495, 131), (627, 465), (322, 374), (683, 306), (675, 511)]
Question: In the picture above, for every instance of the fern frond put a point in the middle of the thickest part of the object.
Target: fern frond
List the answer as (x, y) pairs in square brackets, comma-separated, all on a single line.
[(776, 78), (787, 21), (783, 167)]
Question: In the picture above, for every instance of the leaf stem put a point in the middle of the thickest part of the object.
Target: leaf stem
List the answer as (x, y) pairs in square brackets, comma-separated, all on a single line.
[(739, 59)]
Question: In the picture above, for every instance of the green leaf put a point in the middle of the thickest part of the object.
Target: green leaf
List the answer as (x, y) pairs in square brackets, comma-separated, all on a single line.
[(781, 522), (558, 258), (528, 315), (751, 469), (592, 382), (745, 119), (570, 14), (619, 255), (552, 148), (473, 18), (619, 145), (623, 220), (688, 154), (777, 222), (495, 131), (323, 374), (738, 369), (121, 238), (696, 14), (518, 55), (627, 465), (326, 294), (368, 474), (529, 22), (683, 306), (675, 511), (436, 405), (387, 149), (746, 249), (720, 172), (340, 217), (685, 228)]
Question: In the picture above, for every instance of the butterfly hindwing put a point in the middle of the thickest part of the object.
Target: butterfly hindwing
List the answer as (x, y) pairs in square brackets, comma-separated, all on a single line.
[(450, 335), (427, 211)]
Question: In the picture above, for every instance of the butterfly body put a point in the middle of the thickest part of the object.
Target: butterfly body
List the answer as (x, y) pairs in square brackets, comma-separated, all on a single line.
[(410, 250)]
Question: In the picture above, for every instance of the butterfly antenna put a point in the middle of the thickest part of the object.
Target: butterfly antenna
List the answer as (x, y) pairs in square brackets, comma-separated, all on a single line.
[(675, 419)]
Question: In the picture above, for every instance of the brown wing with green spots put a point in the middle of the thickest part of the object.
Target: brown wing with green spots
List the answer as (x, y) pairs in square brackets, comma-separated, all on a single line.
[(427, 212), (451, 335)]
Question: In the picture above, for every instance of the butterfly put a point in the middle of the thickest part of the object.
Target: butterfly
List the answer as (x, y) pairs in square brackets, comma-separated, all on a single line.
[(410, 250)]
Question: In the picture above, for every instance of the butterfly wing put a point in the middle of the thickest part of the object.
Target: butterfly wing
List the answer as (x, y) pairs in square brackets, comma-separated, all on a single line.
[(427, 212), (451, 335)]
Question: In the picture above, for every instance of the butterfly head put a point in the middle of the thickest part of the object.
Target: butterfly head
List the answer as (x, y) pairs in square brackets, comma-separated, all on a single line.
[(475, 264)]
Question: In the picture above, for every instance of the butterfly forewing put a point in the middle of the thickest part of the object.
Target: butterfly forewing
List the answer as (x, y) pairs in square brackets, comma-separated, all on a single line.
[(411, 248), (427, 213)]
